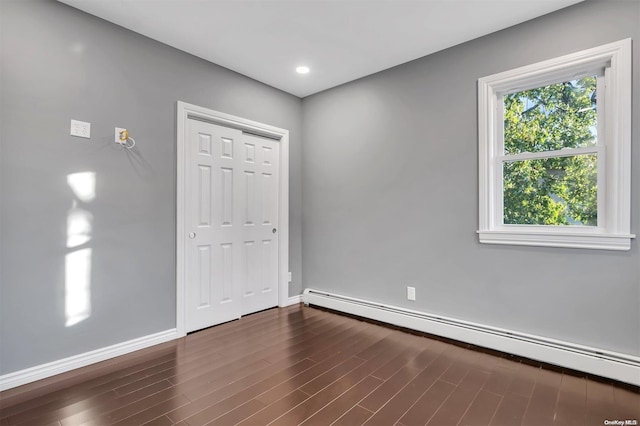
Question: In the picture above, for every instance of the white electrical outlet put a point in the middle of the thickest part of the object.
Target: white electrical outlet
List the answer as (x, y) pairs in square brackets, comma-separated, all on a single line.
[(117, 135), (411, 293), (290, 277), (80, 129)]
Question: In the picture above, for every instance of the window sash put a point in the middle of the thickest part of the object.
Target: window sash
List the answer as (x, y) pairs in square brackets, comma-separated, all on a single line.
[(599, 149), (601, 210), (559, 153)]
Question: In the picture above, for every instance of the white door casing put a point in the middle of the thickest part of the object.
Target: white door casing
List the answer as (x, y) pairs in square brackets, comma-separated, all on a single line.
[(258, 166)]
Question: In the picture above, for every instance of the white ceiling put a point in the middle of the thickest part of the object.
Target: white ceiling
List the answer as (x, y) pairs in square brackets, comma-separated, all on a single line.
[(340, 40)]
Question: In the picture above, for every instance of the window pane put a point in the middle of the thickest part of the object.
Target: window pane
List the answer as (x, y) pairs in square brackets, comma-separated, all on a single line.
[(561, 115), (551, 191)]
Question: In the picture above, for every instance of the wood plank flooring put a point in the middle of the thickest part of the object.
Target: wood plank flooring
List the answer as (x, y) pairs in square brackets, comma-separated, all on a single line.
[(305, 366)]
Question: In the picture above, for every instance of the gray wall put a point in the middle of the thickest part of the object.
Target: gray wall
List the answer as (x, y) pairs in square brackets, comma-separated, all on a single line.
[(390, 183), (59, 64)]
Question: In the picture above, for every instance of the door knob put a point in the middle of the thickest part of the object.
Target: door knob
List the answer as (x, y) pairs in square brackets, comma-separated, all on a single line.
[(192, 235), (274, 230)]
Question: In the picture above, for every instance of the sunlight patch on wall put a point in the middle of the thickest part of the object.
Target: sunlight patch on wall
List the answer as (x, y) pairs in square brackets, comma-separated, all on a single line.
[(78, 226), (78, 260), (78, 286), (83, 185)]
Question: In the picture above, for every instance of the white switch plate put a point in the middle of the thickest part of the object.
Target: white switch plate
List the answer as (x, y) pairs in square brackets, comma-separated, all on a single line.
[(80, 129), (411, 293), (290, 278)]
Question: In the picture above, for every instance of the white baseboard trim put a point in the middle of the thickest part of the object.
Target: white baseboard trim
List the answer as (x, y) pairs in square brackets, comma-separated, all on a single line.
[(294, 300), (28, 375), (613, 365)]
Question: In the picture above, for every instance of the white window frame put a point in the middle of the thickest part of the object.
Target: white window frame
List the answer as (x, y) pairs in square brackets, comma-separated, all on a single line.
[(613, 147)]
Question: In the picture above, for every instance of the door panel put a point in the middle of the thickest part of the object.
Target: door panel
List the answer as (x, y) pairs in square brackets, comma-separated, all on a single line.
[(231, 214), (260, 187), (212, 254), (204, 276)]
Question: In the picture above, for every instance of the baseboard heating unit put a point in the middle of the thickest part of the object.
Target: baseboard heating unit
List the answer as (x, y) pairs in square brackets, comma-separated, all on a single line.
[(604, 363)]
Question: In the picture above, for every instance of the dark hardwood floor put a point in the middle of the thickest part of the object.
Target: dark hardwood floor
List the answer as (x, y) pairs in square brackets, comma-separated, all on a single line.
[(302, 365)]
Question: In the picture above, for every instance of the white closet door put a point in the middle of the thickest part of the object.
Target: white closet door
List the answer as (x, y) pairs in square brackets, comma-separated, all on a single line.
[(259, 188), (231, 213)]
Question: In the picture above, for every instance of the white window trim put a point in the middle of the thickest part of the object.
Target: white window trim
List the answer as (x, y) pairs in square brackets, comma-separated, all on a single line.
[(613, 230)]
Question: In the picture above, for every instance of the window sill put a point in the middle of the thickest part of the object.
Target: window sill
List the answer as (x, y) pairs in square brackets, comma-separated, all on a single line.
[(557, 239)]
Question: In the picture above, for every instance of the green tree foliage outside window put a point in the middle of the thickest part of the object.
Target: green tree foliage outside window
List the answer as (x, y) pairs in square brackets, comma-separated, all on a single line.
[(556, 190)]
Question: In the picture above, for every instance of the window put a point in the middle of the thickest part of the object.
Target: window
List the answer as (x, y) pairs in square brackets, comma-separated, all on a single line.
[(554, 151)]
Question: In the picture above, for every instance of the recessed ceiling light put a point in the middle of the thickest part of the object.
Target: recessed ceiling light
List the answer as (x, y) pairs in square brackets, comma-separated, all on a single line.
[(303, 70)]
